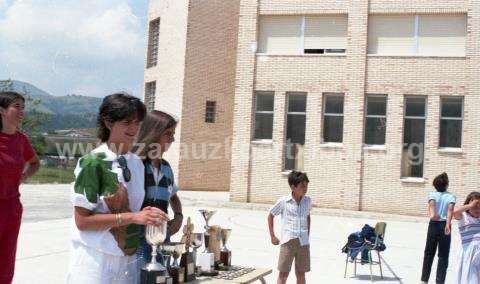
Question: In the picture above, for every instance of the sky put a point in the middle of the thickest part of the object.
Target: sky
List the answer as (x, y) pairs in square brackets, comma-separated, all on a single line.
[(83, 47)]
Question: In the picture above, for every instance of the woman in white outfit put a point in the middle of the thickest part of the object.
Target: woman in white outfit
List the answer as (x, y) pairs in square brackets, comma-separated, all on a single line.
[(468, 217), (107, 197)]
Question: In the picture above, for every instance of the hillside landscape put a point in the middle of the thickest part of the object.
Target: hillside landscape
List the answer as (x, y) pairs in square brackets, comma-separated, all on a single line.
[(61, 112)]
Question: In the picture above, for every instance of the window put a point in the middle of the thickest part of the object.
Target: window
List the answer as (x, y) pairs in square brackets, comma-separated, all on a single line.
[(325, 34), (333, 118), (451, 122), (295, 136), (391, 35), (154, 30), (375, 119), (302, 34), (210, 111), (442, 34), (438, 35), (280, 34), (149, 100), (263, 115), (413, 136)]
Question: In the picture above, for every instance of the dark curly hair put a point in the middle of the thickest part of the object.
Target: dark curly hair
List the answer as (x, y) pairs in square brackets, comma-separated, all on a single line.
[(118, 107), (296, 177), (441, 182)]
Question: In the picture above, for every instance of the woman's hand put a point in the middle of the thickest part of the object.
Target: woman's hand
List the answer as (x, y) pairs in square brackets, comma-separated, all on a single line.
[(150, 216)]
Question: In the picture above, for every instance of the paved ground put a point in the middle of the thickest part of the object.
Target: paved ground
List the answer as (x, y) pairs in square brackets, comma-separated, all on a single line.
[(43, 245)]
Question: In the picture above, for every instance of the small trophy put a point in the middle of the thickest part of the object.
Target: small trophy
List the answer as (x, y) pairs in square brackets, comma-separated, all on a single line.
[(225, 253), (154, 272), (197, 242), (177, 273), (187, 260), (207, 214), (206, 260)]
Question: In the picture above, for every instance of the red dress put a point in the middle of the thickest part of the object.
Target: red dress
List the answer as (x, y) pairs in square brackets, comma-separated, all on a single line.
[(15, 151)]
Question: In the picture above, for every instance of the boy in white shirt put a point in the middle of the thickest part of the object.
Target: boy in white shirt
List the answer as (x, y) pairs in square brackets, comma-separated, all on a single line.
[(295, 211)]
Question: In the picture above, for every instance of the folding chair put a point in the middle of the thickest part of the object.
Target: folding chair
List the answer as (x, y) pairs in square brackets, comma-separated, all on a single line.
[(379, 237)]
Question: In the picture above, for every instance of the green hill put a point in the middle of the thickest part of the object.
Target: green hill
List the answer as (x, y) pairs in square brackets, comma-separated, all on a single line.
[(64, 112)]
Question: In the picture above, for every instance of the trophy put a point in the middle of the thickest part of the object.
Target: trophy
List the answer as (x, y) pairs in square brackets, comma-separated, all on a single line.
[(154, 272), (197, 242), (187, 260), (175, 249), (207, 214), (225, 253), (206, 259)]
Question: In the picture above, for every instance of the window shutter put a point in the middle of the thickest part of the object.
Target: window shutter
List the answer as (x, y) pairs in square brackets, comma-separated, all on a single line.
[(391, 35), (442, 35), (326, 32), (280, 35)]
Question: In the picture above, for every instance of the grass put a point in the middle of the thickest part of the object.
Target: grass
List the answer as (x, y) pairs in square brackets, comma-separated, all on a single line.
[(52, 175)]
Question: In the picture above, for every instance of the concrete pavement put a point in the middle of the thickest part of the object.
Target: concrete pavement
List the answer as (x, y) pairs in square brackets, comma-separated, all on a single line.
[(44, 238)]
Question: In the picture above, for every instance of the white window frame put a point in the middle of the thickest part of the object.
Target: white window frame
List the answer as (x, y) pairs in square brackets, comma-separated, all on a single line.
[(375, 116), (302, 42), (304, 113), (255, 93), (151, 47), (424, 118), (150, 96), (325, 95), (415, 47), (451, 118)]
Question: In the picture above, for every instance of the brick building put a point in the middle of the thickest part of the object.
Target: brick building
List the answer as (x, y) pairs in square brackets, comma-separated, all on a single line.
[(371, 98)]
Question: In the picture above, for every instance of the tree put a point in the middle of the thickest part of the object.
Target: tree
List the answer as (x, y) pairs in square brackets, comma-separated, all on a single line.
[(33, 122)]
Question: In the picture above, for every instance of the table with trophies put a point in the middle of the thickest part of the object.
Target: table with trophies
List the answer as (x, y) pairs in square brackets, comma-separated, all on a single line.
[(183, 262)]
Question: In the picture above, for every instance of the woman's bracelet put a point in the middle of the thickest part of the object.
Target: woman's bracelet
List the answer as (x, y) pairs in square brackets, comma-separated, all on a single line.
[(118, 219)]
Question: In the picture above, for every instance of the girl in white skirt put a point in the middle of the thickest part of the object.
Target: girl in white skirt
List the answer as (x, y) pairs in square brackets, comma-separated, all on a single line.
[(468, 217)]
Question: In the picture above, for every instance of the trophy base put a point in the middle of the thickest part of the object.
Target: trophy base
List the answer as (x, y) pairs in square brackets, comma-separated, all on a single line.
[(187, 263), (154, 277), (209, 273), (205, 260), (177, 274), (226, 258)]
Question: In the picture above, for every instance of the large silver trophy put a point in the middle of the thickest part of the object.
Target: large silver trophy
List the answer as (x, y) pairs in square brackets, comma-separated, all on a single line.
[(155, 272)]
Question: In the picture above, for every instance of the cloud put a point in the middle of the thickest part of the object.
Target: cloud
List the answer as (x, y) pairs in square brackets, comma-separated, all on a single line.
[(65, 44)]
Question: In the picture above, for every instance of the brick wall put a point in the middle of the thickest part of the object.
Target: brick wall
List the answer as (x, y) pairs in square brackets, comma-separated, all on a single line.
[(348, 176), (209, 75)]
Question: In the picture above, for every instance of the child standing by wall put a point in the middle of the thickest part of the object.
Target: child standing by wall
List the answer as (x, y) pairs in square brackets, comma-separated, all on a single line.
[(295, 209), (468, 217), (440, 209), (18, 161)]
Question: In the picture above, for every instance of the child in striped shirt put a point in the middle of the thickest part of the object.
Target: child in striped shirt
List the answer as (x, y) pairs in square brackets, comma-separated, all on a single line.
[(295, 211)]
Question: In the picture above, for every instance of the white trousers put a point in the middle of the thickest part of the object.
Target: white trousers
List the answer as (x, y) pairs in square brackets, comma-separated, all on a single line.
[(90, 266)]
